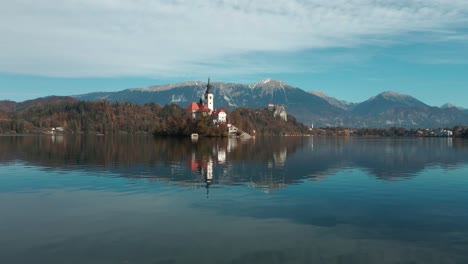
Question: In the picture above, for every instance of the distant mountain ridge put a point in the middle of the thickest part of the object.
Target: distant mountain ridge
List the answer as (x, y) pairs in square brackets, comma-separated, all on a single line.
[(449, 105), (314, 107), (383, 110), (387, 100), (393, 109), (333, 101), (229, 95), (11, 106)]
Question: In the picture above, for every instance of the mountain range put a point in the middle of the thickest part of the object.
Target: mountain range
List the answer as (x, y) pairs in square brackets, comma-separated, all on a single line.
[(387, 109), (11, 106)]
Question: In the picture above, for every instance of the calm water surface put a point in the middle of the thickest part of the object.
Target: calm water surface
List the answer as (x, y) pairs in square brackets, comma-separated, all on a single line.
[(273, 200)]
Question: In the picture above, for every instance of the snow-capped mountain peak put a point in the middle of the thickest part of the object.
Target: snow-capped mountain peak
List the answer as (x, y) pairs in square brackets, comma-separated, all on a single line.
[(269, 83), (166, 87)]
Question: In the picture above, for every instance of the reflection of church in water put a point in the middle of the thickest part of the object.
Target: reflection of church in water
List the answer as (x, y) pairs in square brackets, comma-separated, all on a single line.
[(204, 165), (208, 163), (205, 168)]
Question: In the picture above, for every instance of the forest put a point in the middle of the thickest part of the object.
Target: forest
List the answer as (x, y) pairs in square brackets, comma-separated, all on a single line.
[(102, 117)]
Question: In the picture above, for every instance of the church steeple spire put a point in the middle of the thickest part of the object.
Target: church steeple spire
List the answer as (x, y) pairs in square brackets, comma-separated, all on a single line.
[(208, 86), (209, 96)]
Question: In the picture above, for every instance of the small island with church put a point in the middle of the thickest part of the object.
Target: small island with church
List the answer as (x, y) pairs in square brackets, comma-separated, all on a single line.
[(201, 118), (62, 115)]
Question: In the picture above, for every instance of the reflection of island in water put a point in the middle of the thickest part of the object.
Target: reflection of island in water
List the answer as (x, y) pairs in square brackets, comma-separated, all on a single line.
[(266, 163), (204, 168)]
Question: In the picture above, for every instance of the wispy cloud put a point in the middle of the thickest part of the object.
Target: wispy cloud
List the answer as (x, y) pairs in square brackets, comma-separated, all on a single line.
[(169, 38)]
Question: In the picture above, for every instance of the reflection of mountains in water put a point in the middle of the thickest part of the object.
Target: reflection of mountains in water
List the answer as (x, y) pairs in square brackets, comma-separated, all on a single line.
[(266, 163), (384, 158)]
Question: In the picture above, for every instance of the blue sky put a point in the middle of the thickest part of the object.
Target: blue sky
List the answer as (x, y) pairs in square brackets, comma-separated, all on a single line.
[(351, 50)]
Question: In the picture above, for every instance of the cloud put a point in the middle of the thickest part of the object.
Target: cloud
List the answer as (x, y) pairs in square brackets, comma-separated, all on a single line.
[(76, 38)]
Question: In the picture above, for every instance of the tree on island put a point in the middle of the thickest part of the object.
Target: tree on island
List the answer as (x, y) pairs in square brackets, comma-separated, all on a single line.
[(79, 117)]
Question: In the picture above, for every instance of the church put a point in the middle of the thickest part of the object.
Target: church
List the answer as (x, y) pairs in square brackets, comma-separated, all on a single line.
[(206, 107)]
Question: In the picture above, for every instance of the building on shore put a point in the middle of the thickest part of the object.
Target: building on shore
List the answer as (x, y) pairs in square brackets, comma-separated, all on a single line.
[(205, 107), (445, 133)]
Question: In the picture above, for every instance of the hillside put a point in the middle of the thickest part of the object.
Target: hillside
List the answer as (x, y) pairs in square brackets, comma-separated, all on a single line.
[(81, 117), (314, 107), (449, 105), (11, 106), (386, 101), (333, 101), (385, 110), (304, 106), (391, 109)]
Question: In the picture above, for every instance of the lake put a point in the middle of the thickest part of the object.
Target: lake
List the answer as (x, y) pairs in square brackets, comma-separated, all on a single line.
[(139, 199)]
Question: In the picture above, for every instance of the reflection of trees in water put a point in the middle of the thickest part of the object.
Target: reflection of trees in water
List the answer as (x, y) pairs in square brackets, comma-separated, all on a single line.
[(270, 162), (385, 158), (403, 157)]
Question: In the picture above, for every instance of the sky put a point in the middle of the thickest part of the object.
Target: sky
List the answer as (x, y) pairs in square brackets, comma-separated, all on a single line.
[(351, 50)]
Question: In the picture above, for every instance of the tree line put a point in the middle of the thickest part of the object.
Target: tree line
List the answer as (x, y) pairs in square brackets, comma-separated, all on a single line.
[(458, 131), (102, 117), (83, 117)]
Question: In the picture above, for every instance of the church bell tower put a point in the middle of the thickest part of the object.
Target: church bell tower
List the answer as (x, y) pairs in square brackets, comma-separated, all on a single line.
[(209, 98)]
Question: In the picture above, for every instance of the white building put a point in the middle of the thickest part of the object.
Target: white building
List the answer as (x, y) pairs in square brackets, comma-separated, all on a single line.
[(445, 133), (221, 116)]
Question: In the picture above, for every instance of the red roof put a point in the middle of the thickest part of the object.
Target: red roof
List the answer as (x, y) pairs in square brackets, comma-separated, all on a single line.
[(194, 165), (193, 106), (203, 108), (197, 164), (218, 111)]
